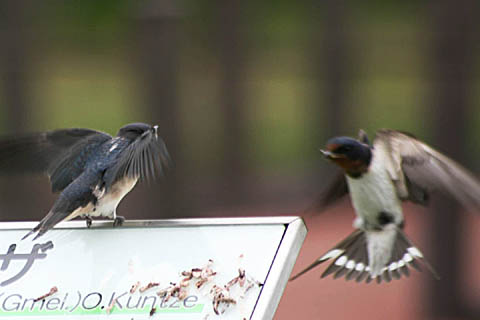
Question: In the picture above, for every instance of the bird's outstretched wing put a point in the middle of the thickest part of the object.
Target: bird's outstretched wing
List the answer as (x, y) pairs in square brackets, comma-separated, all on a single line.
[(333, 192), (144, 158), (59, 153), (417, 169)]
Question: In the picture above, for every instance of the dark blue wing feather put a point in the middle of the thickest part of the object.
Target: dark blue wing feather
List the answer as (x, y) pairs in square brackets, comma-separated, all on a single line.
[(68, 167), (52, 152), (145, 158)]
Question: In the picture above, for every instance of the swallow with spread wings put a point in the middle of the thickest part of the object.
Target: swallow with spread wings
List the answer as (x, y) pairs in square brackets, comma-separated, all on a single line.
[(92, 170), (397, 167)]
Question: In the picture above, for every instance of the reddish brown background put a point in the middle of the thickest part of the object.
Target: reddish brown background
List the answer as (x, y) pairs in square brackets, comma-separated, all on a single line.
[(310, 297)]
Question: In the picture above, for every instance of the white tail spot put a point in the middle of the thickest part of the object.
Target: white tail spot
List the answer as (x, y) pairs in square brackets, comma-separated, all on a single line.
[(407, 257), (331, 254), (360, 266), (393, 266), (415, 252), (350, 265), (341, 261)]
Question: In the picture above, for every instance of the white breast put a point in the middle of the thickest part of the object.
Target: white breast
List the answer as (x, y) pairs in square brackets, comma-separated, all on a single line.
[(107, 204), (373, 193)]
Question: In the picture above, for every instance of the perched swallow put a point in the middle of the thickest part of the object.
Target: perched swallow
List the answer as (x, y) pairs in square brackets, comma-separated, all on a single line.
[(397, 167), (92, 170)]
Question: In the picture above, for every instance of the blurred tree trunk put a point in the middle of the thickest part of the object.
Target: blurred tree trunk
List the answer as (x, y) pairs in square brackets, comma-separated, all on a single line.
[(232, 56), (14, 73), (14, 65), (332, 71), (452, 62), (157, 32), (337, 66)]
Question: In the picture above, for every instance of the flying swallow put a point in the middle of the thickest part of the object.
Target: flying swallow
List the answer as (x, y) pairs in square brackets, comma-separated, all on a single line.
[(92, 170), (396, 167)]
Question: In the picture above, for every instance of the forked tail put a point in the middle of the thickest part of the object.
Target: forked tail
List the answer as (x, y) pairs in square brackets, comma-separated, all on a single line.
[(350, 258)]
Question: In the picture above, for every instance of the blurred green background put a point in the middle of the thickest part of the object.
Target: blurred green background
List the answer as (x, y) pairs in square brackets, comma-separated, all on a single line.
[(245, 92)]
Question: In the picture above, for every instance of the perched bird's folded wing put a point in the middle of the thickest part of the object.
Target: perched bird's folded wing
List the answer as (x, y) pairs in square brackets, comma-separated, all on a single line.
[(144, 158), (81, 195), (425, 170), (333, 192), (58, 153)]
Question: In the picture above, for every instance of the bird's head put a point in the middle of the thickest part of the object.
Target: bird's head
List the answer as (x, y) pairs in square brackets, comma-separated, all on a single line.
[(133, 131), (351, 155)]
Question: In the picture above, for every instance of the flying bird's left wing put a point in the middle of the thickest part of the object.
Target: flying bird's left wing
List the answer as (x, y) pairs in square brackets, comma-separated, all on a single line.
[(144, 158), (417, 169)]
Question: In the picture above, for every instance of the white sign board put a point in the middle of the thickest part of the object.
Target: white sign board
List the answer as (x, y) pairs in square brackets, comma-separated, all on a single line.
[(168, 269)]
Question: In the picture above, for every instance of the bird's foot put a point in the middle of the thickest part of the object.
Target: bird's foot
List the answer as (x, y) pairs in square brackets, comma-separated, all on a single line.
[(88, 221), (118, 221)]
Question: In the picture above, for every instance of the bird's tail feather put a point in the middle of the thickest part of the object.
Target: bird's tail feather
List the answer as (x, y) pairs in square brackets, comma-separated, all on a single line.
[(50, 220), (333, 253), (28, 234), (351, 259)]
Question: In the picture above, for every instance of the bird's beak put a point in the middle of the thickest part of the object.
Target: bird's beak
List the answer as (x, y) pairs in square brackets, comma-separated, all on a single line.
[(330, 155)]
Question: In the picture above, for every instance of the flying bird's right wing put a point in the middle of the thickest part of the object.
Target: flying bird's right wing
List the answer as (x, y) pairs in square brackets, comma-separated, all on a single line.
[(417, 169), (59, 153), (336, 189), (144, 158)]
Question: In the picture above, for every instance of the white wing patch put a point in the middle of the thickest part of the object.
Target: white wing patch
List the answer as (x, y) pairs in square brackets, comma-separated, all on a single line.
[(98, 192), (113, 147)]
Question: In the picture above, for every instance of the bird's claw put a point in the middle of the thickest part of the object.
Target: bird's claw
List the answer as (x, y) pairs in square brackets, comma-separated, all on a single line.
[(88, 221), (118, 221)]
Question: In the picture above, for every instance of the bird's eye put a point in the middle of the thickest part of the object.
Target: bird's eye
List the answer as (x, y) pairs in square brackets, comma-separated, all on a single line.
[(344, 149)]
